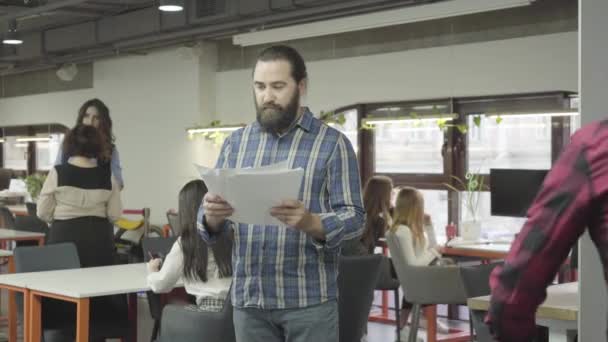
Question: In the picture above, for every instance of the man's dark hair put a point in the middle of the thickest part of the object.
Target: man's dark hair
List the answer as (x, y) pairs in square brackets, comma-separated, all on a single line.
[(289, 54), (83, 141)]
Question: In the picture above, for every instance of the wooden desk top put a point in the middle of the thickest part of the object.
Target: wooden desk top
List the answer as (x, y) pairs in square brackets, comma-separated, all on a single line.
[(562, 303)]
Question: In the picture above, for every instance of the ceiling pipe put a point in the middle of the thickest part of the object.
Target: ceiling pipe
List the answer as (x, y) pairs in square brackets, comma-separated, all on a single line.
[(40, 9)]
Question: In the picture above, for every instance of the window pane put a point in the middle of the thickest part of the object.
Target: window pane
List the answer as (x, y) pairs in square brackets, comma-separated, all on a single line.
[(349, 128), (46, 151), (515, 142), (408, 147), (436, 205), (493, 226), (15, 154)]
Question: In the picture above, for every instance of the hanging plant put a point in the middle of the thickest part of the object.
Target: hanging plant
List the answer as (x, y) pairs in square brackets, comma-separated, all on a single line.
[(217, 136), (332, 118)]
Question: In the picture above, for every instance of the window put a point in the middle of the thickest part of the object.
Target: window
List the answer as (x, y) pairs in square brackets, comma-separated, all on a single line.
[(350, 127), (46, 151), (15, 154), (515, 142), (436, 205), (408, 147), (493, 226)]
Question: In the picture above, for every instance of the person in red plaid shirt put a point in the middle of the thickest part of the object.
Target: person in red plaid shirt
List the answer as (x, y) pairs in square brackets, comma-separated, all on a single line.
[(573, 198)]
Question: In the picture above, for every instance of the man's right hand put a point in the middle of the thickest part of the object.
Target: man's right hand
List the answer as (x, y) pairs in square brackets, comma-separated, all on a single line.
[(217, 210)]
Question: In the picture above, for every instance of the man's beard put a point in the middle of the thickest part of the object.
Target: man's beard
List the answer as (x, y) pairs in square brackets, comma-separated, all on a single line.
[(276, 119)]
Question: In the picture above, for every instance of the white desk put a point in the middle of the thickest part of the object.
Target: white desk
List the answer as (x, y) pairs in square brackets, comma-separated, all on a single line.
[(558, 311), (78, 286), (17, 235)]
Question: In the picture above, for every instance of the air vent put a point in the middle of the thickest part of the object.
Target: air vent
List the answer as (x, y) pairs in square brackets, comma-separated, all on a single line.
[(210, 8)]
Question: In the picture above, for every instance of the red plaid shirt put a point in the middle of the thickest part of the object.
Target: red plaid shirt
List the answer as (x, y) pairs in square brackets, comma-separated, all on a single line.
[(573, 197)]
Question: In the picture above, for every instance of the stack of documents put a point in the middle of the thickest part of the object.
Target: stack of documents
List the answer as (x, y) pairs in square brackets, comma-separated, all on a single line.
[(253, 191)]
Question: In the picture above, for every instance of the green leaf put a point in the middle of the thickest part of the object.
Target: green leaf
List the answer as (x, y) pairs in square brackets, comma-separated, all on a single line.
[(477, 120), (462, 128), (441, 124), (498, 119)]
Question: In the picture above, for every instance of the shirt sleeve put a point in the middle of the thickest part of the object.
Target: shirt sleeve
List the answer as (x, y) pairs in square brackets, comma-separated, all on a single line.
[(201, 225), (345, 221), (170, 272), (114, 207), (45, 208), (117, 167), (556, 219)]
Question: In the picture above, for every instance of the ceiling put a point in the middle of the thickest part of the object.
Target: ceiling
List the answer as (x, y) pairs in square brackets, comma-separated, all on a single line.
[(56, 32)]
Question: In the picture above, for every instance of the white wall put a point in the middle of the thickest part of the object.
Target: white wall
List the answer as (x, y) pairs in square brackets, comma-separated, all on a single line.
[(593, 85), (535, 63), (154, 98)]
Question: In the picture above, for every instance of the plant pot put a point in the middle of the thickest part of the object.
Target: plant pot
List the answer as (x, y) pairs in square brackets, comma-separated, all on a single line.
[(470, 230)]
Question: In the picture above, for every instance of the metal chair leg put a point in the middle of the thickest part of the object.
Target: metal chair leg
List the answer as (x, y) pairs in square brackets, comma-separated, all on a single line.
[(415, 322), (397, 314)]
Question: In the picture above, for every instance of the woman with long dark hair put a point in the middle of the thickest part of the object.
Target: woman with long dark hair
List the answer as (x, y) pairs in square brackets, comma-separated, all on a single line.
[(81, 199), (95, 113), (377, 204), (206, 270)]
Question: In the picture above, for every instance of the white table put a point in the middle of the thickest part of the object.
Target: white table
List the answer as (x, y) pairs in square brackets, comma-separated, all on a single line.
[(78, 286), (558, 311), (18, 235)]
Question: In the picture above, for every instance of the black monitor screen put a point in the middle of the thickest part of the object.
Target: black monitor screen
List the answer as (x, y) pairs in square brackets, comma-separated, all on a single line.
[(513, 190)]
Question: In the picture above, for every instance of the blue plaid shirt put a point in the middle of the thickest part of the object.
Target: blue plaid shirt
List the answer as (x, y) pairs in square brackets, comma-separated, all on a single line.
[(281, 267)]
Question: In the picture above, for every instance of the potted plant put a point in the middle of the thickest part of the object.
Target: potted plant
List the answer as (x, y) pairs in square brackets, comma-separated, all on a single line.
[(470, 192), (33, 184)]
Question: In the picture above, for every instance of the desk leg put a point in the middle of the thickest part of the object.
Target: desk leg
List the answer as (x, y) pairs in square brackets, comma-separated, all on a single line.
[(27, 315), (41, 241), (12, 317), (133, 316), (82, 320), (430, 313), (35, 317)]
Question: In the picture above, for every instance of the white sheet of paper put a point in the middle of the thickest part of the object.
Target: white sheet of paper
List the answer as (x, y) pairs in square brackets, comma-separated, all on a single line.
[(253, 191)]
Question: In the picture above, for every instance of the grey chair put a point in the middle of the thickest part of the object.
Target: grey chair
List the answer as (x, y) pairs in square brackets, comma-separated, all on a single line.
[(173, 220), (476, 280), (186, 323), (58, 316), (425, 285), (108, 318), (357, 278), (30, 224), (31, 208), (156, 246), (387, 282)]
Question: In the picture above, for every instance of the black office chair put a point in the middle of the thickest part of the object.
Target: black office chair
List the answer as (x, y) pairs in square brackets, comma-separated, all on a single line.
[(154, 246), (386, 282), (357, 278), (31, 208), (476, 281), (7, 218), (187, 323), (30, 224)]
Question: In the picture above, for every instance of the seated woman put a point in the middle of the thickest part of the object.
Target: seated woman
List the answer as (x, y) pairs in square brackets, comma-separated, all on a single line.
[(81, 199), (206, 271), (377, 203), (415, 231)]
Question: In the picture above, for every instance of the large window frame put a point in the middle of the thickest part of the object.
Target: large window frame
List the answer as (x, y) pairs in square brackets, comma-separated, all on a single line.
[(455, 148), (29, 131)]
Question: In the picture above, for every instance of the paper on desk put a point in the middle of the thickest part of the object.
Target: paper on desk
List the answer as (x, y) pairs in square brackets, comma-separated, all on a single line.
[(253, 191)]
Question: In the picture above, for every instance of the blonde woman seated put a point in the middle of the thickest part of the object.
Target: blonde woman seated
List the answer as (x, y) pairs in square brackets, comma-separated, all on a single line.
[(414, 230), (206, 271)]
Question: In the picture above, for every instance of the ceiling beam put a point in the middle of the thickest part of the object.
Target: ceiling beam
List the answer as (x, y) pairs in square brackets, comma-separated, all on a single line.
[(49, 7)]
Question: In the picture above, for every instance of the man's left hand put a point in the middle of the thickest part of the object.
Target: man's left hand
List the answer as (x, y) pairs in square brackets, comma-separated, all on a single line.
[(294, 214)]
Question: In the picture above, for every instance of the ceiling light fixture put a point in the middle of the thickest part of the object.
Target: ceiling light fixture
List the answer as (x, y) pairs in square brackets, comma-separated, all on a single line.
[(394, 120), (12, 36), (171, 5), (409, 14), (33, 139), (513, 115), (211, 129)]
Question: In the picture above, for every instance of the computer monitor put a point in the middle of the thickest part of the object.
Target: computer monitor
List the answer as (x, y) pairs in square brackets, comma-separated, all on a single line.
[(513, 190)]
